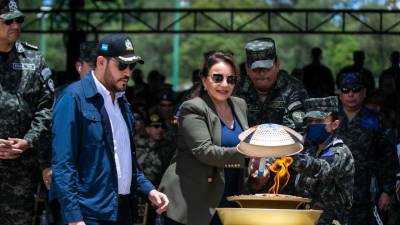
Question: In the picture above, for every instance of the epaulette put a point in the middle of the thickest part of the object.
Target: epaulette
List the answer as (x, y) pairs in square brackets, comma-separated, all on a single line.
[(33, 47)]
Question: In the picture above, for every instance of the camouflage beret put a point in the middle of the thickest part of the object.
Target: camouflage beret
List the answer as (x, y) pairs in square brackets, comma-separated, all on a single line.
[(260, 53), (320, 108), (9, 9)]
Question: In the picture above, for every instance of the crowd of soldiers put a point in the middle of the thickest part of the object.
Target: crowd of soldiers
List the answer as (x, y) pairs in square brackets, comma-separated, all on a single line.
[(369, 115)]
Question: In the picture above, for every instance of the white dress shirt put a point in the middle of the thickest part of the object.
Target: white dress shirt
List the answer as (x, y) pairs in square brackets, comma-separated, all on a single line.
[(120, 133)]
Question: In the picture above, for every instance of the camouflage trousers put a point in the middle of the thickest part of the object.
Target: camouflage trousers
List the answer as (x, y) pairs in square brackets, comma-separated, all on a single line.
[(17, 188), (360, 215)]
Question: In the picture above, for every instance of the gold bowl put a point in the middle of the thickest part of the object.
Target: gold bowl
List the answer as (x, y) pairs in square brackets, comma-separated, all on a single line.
[(252, 216), (270, 201)]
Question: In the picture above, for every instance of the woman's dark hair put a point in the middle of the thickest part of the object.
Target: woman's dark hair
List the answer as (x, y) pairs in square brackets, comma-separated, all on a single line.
[(213, 57)]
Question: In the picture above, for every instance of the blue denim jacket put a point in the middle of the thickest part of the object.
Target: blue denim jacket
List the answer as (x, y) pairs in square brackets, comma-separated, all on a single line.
[(84, 171)]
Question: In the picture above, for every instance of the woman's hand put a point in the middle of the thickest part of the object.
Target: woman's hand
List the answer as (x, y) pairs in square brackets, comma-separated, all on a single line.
[(256, 182)]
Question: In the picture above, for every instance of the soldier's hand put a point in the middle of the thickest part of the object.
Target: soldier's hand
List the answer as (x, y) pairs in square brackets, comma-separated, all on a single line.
[(7, 151), (384, 202), (5, 145), (20, 144), (10, 154), (46, 175)]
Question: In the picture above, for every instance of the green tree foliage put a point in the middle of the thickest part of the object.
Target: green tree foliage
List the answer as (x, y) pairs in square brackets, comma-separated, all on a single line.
[(293, 49)]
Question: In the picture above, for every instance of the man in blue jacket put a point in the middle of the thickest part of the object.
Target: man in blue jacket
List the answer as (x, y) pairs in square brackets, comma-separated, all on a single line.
[(94, 162)]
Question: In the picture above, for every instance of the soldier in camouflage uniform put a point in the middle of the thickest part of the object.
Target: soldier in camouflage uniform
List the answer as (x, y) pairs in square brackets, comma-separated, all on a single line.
[(361, 130), (272, 96), (25, 114), (154, 153), (325, 169)]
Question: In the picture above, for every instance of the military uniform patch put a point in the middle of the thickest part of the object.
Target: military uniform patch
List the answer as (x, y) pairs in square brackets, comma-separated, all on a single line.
[(24, 66)]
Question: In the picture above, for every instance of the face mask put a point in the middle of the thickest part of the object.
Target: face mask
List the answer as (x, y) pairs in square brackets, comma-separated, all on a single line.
[(317, 133)]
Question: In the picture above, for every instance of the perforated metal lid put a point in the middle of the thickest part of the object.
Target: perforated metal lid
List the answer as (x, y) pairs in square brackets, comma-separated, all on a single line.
[(269, 140)]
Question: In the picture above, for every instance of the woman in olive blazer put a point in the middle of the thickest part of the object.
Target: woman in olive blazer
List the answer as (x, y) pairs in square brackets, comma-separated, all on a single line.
[(194, 182)]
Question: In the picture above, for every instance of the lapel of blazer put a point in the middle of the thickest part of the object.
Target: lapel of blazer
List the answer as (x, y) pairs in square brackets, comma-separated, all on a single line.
[(239, 112), (213, 119)]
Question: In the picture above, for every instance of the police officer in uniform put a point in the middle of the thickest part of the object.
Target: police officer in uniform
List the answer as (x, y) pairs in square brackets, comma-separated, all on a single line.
[(272, 96), (26, 93), (374, 155)]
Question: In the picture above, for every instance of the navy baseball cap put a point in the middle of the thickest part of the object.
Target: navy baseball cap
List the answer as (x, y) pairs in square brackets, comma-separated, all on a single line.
[(120, 47), (351, 79)]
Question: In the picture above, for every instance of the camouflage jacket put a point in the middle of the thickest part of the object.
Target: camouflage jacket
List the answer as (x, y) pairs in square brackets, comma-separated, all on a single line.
[(283, 104), (327, 178), (26, 99), (153, 157), (373, 153)]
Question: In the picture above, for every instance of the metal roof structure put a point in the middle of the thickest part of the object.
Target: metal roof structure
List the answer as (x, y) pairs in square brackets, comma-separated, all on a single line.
[(208, 21)]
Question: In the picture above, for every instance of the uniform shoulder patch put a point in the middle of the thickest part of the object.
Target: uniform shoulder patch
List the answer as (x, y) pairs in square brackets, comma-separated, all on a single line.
[(328, 153), (33, 47)]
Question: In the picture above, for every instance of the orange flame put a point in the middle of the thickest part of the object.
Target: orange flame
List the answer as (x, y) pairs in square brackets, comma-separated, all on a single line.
[(282, 175)]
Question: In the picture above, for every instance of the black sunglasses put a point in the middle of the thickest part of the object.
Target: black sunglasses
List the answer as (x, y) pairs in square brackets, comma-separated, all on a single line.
[(218, 78), (19, 20), (346, 90), (122, 66), (157, 126)]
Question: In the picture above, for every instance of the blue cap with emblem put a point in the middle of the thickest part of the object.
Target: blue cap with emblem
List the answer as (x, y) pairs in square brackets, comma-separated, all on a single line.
[(351, 79), (120, 47), (9, 10)]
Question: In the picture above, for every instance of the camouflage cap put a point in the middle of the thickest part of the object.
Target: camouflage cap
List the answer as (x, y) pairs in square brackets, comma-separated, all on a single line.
[(261, 53), (350, 79), (154, 119), (320, 108), (9, 9), (88, 51)]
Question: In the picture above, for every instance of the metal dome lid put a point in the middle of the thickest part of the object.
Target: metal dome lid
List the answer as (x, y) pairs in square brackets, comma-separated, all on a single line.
[(269, 140)]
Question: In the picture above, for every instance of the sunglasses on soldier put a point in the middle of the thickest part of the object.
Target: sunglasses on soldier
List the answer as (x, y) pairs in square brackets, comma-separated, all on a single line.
[(18, 20), (157, 126), (219, 78), (346, 90)]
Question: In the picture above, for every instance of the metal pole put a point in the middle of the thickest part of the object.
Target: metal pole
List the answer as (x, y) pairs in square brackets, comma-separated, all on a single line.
[(176, 49), (46, 6), (43, 26)]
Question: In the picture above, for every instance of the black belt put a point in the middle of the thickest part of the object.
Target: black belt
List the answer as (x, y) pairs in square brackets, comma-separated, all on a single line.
[(124, 197)]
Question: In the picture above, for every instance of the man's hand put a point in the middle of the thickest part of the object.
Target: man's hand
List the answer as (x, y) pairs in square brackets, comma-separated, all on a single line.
[(77, 223), (7, 151), (384, 202), (160, 200), (46, 175)]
